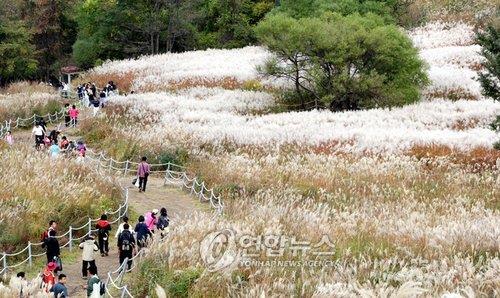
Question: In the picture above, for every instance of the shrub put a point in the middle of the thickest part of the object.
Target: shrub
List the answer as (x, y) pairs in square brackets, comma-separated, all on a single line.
[(350, 62)]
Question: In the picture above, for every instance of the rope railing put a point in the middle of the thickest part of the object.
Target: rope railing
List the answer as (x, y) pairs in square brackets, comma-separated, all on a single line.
[(171, 177), (173, 174), (72, 234)]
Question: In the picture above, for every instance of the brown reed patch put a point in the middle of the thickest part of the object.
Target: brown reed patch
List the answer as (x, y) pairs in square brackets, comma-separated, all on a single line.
[(123, 81), (463, 125), (451, 94), (229, 83), (27, 87), (477, 159)]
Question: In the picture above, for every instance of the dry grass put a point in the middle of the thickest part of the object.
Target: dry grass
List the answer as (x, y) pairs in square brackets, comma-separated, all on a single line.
[(124, 81), (35, 189), (27, 87), (476, 160)]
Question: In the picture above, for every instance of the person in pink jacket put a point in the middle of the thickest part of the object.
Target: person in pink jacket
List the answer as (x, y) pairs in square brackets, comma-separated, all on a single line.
[(151, 220), (73, 115)]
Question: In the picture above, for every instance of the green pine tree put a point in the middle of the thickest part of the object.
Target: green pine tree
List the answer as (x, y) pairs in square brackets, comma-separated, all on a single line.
[(489, 39)]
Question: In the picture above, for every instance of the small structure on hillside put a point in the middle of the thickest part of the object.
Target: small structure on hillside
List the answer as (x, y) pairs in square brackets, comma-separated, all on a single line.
[(68, 71)]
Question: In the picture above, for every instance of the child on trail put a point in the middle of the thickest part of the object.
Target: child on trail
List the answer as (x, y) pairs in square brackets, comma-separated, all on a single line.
[(89, 246), (52, 245), (48, 276), (102, 97), (151, 220), (9, 139), (103, 228), (142, 232), (143, 171), (54, 150), (126, 245), (73, 114), (163, 222), (59, 289)]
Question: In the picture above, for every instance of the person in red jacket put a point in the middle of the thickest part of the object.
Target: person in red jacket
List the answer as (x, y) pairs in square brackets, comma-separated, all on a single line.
[(103, 228), (48, 276)]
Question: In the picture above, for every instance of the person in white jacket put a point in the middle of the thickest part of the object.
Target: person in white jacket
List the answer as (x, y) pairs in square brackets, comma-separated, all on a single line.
[(89, 247), (120, 227)]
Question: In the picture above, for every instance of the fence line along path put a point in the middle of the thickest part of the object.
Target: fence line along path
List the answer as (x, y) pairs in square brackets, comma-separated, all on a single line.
[(159, 193)]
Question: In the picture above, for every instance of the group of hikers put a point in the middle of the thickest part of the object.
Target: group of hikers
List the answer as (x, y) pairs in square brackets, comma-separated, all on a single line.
[(54, 144), (129, 242), (90, 96)]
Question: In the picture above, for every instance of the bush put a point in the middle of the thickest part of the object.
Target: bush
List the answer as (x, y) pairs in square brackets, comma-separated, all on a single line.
[(350, 62)]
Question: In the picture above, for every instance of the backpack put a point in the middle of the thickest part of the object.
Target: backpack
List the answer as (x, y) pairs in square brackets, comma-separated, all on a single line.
[(126, 243)]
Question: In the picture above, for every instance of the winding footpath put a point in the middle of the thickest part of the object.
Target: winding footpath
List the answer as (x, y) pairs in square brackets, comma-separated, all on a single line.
[(177, 202)]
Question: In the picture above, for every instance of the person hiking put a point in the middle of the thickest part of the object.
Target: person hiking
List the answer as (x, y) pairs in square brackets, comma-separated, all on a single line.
[(103, 228), (126, 245), (94, 283), (54, 135), (20, 284), (143, 170), (54, 150), (73, 114), (142, 232), (48, 276), (81, 151), (9, 139), (52, 245), (102, 97), (151, 220), (89, 246), (67, 118), (52, 226), (96, 104), (59, 289), (120, 227), (39, 133), (64, 143), (163, 222)]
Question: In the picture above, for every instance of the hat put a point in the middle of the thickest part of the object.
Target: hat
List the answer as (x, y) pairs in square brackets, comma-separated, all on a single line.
[(51, 266), (155, 211)]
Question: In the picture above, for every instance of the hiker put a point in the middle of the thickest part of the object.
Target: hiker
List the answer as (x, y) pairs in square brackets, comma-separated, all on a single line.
[(73, 114), (54, 150), (81, 150), (96, 103), (64, 143), (143, 170), (102, 97), (38, 132), (142, 232), (126, 245), (121, 227), (94, 284), (103, 228), (52, 245), (48, 276), (20, 284), (59, 289), (54, 135), (89, 246), (52, 226), (67, 118), (9, 139), (163, 222), (151, 220)]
